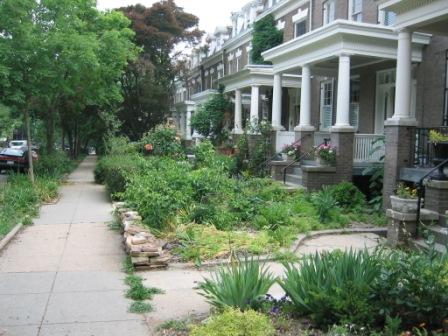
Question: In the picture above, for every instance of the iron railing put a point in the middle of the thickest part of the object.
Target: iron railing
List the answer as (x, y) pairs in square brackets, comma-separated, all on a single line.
[(423, 149)]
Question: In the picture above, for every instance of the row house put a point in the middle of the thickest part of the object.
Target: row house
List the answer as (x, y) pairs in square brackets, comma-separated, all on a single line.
[(352, 71)]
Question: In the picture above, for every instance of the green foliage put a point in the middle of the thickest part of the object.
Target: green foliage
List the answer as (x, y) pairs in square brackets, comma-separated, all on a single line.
[(139, 307), (239, 286), (325, 204), (262, 151), (347, 196), (137, 291), (204, 153), (376, 173), (413, 285), (18, 200), (56, 165), (173, 325), (333, 287), (265, 36), (209, 119), (47, 189), (164, 141), (119, 145), (233, 322)]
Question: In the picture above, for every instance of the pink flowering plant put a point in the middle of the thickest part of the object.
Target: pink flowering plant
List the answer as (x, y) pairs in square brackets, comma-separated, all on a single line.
[(326, 152), (292, 149)]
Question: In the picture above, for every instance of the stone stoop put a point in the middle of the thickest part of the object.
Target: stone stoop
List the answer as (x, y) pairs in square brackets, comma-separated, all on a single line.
[(293, 174)]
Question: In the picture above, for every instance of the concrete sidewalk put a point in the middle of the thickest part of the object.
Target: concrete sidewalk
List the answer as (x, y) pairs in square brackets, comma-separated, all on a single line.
[(62, 276)]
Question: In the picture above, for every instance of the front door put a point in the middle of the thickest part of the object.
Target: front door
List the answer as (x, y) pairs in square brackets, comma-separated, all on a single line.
[(385, 98)]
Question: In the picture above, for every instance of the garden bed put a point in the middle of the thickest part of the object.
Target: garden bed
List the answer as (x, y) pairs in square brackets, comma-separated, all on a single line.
[(205, 213)]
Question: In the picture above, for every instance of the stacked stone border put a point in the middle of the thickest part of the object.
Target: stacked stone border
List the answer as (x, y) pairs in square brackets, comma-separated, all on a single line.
[(140, 244)]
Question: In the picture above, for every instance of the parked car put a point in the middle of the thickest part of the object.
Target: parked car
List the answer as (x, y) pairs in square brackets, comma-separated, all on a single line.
[(18, 144), (15, 159)]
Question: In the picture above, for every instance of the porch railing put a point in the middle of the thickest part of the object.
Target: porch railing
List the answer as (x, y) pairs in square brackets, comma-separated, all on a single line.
[(423, 149), (284, 138), (363, 148)]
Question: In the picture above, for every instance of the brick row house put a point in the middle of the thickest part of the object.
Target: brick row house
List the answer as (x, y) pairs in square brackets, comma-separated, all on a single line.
[(352, 71)]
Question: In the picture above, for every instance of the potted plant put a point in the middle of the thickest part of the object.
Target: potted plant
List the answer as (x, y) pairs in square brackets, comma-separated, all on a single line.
[(292, 151), (325, 154), (405, 199), (440, 144)]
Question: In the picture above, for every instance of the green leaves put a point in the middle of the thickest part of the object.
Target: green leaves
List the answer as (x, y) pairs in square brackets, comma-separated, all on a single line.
[(238, 286), (265, 36)]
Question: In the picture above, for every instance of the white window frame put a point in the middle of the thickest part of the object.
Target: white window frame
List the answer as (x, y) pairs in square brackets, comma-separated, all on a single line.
[(382, 17), (329, 11), (352, 14)]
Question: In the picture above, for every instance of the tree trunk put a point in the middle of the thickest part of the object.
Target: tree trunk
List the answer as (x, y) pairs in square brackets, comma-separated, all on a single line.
[(63, 139), (29, 144), (50, 133)]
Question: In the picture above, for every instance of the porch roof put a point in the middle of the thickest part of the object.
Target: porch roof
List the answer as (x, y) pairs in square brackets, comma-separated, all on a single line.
[(257, 75), (366, 43), (428, 16), (203, 96)]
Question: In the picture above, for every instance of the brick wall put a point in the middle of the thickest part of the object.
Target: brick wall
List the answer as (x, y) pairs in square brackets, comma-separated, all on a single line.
[(344, 155)]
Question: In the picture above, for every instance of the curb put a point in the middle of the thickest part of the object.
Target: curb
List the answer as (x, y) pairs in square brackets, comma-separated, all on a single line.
[(302, 238), (10, 236)]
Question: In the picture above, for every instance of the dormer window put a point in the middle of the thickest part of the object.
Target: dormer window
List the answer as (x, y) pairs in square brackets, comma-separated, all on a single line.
[(329, 11), (355, 10)]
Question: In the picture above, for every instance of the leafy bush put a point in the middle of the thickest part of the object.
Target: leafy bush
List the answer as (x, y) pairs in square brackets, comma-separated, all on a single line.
[(265, 36), (54, 165), (164, 141), (333, 287), (347, 196), (120, 145), (233, 322), (240, 286), (414, 286)]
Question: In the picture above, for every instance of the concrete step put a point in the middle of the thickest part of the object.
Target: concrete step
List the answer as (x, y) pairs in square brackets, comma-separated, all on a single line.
[(440, 233), (297, 171), (294, 179), (420, 244)]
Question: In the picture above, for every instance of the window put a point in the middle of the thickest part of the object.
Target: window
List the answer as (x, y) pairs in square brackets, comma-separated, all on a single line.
[(329, 11), (300, 28), (326, 106), (355, 9), (445, 108), (386, 18)]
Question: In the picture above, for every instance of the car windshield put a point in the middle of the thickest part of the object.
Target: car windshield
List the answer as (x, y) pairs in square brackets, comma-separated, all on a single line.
[(17, 143), (12, 152)]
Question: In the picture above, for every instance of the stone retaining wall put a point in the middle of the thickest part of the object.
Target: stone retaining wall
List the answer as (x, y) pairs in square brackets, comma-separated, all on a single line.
[(144, 248)]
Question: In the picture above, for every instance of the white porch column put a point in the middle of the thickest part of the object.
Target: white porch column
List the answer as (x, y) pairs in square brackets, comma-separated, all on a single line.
[(343, 100), (188, 123), (305, 101), (238, 129), (182, 123), (254, 105), (402, 114), (277, 103)]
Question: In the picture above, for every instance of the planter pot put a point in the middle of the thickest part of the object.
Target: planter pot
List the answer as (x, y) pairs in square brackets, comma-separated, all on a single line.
[(287, 158), (404, 205), (440, 155), (322, 162)]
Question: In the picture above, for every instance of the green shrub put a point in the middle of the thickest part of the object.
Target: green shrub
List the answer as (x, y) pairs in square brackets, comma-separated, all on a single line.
[(204, 153), (333, 288), (120, 145), (414, 286), (54, 165), (347, 196), (233, 322), (239, 286), (164, 141), (47, 189)]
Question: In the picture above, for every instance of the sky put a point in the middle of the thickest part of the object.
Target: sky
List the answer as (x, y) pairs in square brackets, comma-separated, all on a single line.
[(211, 13)]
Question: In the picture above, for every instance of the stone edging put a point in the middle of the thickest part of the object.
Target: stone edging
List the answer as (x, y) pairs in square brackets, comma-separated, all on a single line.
[(5, 241), (141, 246)]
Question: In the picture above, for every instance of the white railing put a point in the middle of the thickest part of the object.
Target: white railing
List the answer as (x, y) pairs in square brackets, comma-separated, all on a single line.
[(284, 138), (363, 147)]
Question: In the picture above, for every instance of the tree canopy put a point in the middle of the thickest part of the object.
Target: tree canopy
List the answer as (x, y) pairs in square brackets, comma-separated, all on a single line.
[(147, 82)]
